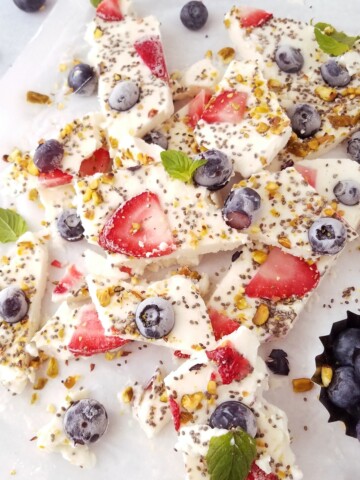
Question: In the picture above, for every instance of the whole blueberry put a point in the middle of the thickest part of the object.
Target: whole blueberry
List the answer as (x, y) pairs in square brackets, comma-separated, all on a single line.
[(233, 414), (216, 172), (69, 226), (289, 59), (305, 120), (327, 236), (124, 96), (347, 192), (335, 74), (85, 421), (82, 79), (278, 362), (343, 390), (30, 6), (155, 317), (356, 362), (156, 138), (240, 206), (48, 155), (13, 304), (353, 148), (194, 15), (345, 345)]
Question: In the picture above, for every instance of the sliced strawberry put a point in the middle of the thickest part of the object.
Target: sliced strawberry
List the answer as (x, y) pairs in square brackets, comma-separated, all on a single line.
[(229, 106), (282, 276), (89, 337), (231, 364), (221, 324), (253, 17), (99, 162), (197, 107), (150, 49), (257, 474), (109, 10), (55, 178), (308, 173), (126, 270), (175, 412), (70, 279), (55, 263), (139, 228), (180, 354)]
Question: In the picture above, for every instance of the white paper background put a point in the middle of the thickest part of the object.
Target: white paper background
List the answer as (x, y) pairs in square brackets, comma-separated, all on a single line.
[(323, 451)]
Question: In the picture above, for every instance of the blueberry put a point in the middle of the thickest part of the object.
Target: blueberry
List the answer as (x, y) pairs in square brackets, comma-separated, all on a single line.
[(305, 120), (240, 206), (233, 414), (216, 172), (345, 345), (343, 390), (48, 155), (13, 304), (356, 362), (335, 74), (353, 148), (348, 192), (157, 138), (278, 362), (124, 96), (82, 79), (194, 15), (155, 317), (69, 226), (85, 421), (327, 236), (289, 59), (29, 6)]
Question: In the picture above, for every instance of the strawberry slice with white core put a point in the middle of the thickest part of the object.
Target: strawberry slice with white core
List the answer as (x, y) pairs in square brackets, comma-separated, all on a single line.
[(109, 10), (283, 276), (99, 162), (257, 474), (229, 106), (139, 228), (71, 278), (150, 49), (54, 178), (253, 17), (89, 337), (197, 107), (308, 173), (221, 324)]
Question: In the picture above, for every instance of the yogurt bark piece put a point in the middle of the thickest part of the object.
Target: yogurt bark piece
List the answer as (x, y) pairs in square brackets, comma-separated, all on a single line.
[(232, 371), (71, 287), (244, 120), (338, 107), (26, 269)]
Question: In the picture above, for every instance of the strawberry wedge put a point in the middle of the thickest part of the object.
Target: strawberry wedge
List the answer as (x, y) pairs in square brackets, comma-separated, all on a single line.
[(257, 474), (197, 106), (250, 17), (109, 10), (229, 106), (99, 162), (221, 324), (70, 282), (150, 49), (54, 178), (308, 173)]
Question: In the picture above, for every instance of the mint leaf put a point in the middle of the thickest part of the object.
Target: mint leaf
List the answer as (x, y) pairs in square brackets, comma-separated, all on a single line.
[(12, 226), (230, 456), (331, 41), (95, 3), (180, 166)]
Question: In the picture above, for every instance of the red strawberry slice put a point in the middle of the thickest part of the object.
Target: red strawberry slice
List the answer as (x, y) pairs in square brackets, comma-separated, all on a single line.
[(231, 364), (54, 178), (197, 107), (282, 276), (99, 162), (308, 173), (180, 354), (109, 10), (175, 412), (252, 17), (229, 106), (56, 263), (221, 324), (150, 49), (89, 337), (139, 228), (71, 278), (257, 474)]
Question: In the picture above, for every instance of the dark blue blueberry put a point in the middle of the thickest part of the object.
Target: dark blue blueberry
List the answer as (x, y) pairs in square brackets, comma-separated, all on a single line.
[(353, 148), (344, 391), (82, 79), (124, 96), (240, 206), (157, 138), (29, 6), (85, 421), (335, 74), (356, 362), (305, 120), (69, 226), (347, 192), (289, 59), (194, 15), (216, 172), (155, 317), (345, 345), (233, 414), (278, 362), (48, 155), (13, 305), (327, 236)]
